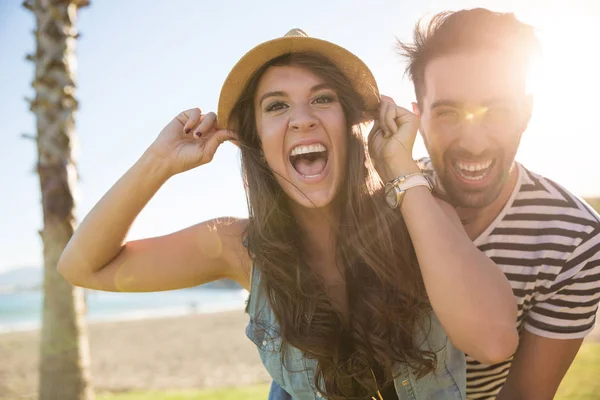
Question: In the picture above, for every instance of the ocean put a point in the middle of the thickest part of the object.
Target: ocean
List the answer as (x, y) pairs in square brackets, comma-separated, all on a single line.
[(23, 310)]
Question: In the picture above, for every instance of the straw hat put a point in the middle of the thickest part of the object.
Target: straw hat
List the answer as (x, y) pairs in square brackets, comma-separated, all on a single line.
[(296, 41)]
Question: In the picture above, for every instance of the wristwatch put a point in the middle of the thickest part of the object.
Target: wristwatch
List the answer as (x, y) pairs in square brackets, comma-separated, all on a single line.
[(395, 190)]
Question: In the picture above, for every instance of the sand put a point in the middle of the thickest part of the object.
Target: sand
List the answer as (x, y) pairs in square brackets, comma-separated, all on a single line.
[(195, 351)]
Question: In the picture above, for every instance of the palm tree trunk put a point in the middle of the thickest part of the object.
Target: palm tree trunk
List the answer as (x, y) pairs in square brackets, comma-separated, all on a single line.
[(64, 358)]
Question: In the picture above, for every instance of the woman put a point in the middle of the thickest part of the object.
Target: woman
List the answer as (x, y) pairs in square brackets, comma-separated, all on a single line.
[(342, 303)]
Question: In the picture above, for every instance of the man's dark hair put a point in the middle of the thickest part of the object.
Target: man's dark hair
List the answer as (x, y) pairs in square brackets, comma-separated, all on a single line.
[(467, 30)]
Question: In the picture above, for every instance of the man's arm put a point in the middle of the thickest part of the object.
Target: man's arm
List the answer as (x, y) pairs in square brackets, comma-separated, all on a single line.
[(538, 367), (562, 315)]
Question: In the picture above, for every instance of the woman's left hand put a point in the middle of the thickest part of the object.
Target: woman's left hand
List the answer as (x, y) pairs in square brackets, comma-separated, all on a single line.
[(392, 139)]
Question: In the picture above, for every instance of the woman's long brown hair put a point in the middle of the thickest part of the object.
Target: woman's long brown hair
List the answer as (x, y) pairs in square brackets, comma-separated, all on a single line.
[(387, 303)]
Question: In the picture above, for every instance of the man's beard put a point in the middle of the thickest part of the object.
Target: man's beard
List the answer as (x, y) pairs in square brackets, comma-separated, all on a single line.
[(460, 194)]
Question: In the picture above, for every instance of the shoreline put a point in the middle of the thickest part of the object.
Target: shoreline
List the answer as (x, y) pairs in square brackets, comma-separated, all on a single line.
[(139, 315), (23, 310)]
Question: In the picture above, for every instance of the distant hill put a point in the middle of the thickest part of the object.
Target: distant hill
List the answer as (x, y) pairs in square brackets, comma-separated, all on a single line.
[(21, 279), (221, 284)]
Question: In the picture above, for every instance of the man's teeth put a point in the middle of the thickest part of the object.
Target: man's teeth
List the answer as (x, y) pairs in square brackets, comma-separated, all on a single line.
[(474, 166), (305, 149), (473, 171)]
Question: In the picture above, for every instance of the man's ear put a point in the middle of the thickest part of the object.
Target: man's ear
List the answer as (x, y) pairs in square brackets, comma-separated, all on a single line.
[(417, 112), (527, 112), (415, 108)]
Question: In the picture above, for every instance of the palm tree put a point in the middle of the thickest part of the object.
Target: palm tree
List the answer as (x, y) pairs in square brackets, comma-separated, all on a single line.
[(64, 358)]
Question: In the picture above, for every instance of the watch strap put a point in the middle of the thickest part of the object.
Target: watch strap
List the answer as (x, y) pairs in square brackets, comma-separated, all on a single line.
[(413, 181)]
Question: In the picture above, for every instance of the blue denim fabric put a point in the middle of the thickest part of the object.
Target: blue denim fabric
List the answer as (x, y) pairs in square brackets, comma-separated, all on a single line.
[(294, 377), (277, 392)]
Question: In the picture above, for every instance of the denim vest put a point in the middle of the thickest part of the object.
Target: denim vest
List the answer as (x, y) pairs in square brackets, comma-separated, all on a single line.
[(296, 375)]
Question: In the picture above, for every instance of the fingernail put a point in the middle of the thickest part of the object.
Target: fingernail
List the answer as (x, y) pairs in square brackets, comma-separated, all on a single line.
[(188, 130), (199, 134)]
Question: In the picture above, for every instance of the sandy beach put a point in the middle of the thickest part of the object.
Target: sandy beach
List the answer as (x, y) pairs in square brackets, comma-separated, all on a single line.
[(195, 351)]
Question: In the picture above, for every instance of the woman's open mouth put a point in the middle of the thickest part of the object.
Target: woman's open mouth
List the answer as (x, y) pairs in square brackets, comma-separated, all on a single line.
[(310, 160)]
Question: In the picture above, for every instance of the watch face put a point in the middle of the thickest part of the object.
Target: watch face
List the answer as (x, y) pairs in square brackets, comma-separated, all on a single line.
[(391, 195)]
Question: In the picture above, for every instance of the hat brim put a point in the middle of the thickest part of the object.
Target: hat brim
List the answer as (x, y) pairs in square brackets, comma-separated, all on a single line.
[(350, 65)]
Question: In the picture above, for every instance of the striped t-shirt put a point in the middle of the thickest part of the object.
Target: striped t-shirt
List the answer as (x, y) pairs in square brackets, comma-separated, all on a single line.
[(547, 243)]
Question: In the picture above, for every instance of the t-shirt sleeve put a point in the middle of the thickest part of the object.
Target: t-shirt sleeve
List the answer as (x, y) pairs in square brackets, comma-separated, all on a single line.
[(567, 307)]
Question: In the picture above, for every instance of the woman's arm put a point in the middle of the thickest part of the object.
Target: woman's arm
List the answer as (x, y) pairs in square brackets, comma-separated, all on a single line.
[(468, 292), (98, 257)]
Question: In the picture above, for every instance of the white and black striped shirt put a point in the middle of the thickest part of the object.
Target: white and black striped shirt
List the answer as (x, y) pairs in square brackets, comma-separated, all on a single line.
[(547, 243)]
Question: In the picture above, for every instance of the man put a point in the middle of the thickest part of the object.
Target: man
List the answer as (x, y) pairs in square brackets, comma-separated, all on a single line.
[(469, 69)]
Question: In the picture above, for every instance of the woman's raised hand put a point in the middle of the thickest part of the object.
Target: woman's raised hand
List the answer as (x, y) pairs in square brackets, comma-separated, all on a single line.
[(188, 141)]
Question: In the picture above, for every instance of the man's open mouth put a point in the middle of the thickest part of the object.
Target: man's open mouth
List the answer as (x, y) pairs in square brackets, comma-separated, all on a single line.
[(473, 171)]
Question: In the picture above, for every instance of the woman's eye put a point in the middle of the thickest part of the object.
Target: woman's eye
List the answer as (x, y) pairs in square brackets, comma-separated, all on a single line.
[(324, 99), (276, 106)]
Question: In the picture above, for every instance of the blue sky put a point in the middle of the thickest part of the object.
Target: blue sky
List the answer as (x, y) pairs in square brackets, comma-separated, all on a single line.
[(139, 65)]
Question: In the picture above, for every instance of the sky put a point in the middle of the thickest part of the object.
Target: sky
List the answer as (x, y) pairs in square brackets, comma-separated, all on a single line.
[(139, 65)]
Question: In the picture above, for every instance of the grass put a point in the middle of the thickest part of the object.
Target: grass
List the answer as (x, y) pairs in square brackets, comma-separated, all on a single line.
[(582, 382), (594, 202)]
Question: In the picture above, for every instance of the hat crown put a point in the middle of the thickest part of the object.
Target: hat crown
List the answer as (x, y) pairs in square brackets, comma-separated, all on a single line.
[(296, 32)]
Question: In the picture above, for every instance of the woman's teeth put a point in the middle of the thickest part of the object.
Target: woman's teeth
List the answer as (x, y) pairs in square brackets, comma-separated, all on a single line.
[(311, 148)]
